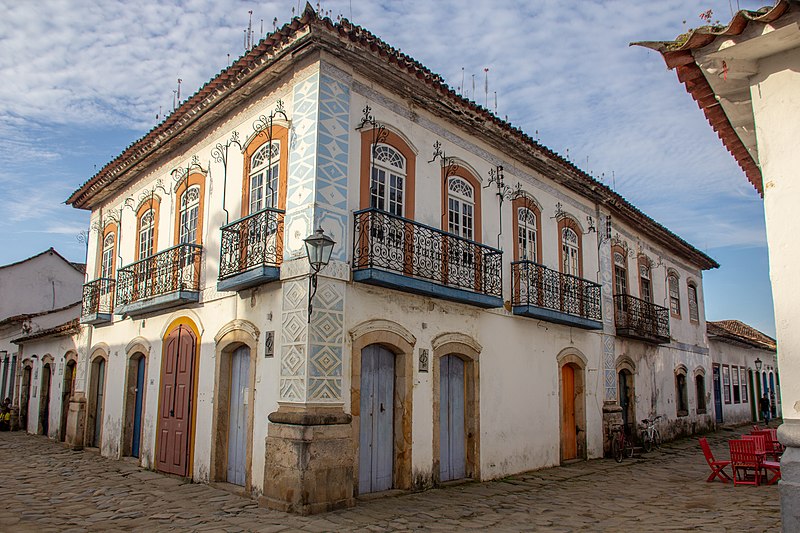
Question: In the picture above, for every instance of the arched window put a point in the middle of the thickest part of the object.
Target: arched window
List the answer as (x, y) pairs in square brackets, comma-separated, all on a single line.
[(387, 185), (570, 252), (264, 176), (107, 261), (674, 294), (620, 270), (694, 312), (189, 215), (645, 283), (147, 225), (460, 208), (527, 238)]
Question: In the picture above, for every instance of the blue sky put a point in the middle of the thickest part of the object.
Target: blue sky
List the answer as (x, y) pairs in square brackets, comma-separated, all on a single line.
[(82, 80)]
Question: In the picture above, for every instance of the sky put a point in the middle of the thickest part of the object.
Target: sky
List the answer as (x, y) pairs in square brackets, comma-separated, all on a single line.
[(82, 80)]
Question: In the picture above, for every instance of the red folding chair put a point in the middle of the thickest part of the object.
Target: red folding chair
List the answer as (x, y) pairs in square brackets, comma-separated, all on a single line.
[(744, 459), (770, 446), (717, 467)]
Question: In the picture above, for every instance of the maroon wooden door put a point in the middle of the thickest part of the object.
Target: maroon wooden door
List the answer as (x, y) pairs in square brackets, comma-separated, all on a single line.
[(175, 417)]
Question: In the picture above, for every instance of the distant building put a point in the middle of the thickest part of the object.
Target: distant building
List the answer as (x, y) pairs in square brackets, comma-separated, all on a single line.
[(36, 294), (745, 76), (745, 367), (488, 308)]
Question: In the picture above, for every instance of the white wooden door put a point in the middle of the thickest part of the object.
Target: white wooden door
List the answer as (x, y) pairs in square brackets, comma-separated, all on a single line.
[(452, 437), (237, 421), (376, 453)]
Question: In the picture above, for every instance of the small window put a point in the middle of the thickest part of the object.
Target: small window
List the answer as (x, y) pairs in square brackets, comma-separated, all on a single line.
[(264, 177), (694, 313), (645, 283), (189, 214), (726, 383), (387, 188), (743, 372), (461, 208), (674, 295), (570, 252), (681, 395), (107, 261), (527, 238), (700, 389), (735, 379), (146, 233)]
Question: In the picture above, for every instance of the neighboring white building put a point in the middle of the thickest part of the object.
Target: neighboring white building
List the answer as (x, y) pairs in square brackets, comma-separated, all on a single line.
[(745, 76), (442, 344), (37, 293), (745, 367)]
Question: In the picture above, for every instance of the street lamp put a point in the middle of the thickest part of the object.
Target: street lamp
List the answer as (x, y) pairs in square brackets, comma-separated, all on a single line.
[(318, 250), (758, 365)]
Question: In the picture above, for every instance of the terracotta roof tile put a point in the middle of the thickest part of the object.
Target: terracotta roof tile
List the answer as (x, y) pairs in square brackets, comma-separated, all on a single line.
[(739, 331)]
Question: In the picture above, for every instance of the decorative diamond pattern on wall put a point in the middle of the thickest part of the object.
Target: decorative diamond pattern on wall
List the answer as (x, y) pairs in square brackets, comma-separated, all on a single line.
[(325, 361), (610, 370), (325, 389)]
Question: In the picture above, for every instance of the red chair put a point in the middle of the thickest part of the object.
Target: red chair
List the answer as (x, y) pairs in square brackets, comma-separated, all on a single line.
[(717, 467), (771, 446), (761, 443), (743, 459)]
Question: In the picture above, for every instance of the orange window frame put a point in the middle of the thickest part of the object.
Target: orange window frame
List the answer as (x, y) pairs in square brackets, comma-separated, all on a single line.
[(280, 134)]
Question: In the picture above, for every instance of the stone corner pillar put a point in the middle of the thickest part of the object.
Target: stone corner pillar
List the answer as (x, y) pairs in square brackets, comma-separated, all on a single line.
[(76, 421), (612, 416), (789, 436), (309, 461)]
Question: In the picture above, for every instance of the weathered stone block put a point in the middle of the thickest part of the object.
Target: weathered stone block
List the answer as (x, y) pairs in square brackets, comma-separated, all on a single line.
[(309, 468), (76, 422)]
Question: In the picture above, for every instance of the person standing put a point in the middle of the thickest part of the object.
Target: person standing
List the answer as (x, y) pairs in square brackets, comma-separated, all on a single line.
[(766, 409)]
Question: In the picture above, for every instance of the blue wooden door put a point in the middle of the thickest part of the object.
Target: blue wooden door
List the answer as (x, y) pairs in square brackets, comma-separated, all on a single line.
[(376, 452), (452, 437), (237, 421), (137, 408), (98, 407)]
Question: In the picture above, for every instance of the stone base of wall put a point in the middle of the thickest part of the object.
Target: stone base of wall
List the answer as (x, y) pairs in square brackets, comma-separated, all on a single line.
[(612, 416), (309, 462), (789, 435), (76, 422)]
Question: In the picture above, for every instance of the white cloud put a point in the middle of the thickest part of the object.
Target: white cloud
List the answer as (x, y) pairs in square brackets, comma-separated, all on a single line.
[(561, 67)]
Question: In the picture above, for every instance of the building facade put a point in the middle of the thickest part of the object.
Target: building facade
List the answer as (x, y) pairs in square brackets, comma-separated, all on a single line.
[(488, 308), (744, 368), (745, 76)]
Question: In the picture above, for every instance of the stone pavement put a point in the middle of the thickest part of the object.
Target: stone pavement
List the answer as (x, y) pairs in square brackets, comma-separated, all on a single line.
[(45, 487)]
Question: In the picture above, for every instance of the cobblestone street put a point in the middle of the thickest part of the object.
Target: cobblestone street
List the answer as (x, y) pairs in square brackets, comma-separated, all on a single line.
[(45, 487)]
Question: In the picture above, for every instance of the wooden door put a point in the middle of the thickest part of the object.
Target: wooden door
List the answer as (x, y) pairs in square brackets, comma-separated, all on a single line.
[(137, 408), (66, 394), (376, 453), (175, 416), (452, 435), (98, 405), (569, 434), (237, 421), (44, 400)]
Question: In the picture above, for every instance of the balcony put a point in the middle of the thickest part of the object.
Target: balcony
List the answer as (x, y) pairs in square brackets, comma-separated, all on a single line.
[(641, 320), (98, 301), (166, 279), (398, 253), (539, 292), (251, 250)]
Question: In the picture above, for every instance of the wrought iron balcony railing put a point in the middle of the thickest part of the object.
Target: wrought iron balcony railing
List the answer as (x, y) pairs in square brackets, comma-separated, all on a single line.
[(402, 246), (175, 269), (251, 242), (538, 286), (98, 298), (638, 318)]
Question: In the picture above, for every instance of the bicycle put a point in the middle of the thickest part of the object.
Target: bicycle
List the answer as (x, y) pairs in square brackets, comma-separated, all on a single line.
[(621, 445), (650, 436)]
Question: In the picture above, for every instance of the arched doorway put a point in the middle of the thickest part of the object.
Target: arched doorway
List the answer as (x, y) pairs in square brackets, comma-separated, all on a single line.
[(44, 400), (25, 395), (376, 431), (134, 404), (94, 415), (66, 395), (452, 412), (573, 408), (627, 398), (176, 401)]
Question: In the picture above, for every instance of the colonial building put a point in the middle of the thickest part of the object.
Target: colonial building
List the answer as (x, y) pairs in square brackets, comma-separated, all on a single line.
[(745, 76), (488, 307), (745, 367), (36, 294)]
